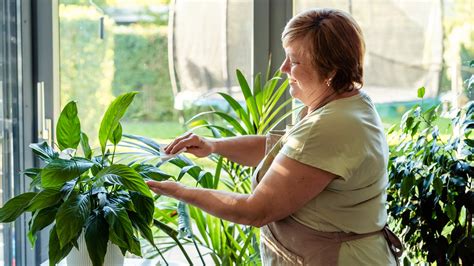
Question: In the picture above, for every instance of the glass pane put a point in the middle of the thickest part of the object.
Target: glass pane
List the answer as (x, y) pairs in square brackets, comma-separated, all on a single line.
[(6, 230), (2, 80), (210, 39), (108, 47)]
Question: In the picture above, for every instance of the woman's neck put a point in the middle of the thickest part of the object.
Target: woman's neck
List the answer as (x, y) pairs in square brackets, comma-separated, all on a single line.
[(329, 98)]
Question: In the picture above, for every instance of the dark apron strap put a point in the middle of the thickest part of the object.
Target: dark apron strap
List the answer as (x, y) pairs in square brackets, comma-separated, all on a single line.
[(395, 244)]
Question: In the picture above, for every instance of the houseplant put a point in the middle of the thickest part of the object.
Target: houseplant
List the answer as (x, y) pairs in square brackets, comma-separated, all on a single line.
[(228, 243), (431, 190), (87, 195)]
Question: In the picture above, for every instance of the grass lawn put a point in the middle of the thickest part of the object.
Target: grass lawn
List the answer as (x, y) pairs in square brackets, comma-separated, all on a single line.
[(160, 131)]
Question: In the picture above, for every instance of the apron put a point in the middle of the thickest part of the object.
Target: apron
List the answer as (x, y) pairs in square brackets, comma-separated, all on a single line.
[(288, 242)]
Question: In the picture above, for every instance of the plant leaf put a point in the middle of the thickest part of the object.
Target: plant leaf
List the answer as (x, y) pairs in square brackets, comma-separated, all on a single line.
[(68, 129), (238, 109), (71, 217), (32, 172), (116, 134), (59, 171), (143, 205), (15, 207), (44, 151), (249, 99), (55, 252), (123, 175), (112, 117), (145, 140), (96, 235), (86, 149), (151, 172), (142, 226), (421, 92), (45, 198), (120, 228), (40, 220)]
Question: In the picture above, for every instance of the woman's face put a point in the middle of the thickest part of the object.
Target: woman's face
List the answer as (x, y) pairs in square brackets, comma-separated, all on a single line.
[(306, 84)]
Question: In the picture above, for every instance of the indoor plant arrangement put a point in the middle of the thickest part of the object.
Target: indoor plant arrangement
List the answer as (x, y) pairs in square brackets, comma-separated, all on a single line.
[(228, 243), (88, 195), (431, 190)]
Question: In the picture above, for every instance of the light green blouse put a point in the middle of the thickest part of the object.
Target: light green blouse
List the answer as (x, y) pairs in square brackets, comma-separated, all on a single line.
[(346, 137)]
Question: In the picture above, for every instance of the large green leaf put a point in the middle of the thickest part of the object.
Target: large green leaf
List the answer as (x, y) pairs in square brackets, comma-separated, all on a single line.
[(71, 217), (55, 252), (184, 222), (249, 98), (15, 207), (59, 171), (85, 146), (112, 117), (32, 172), (120, 228), (258, 93), (119, 174), (45, 198), (143, 205), (44, 151), (40, 220), (68, 129), (151, 172), (144, 227), (238, 109), (97, 236), (149, 142)]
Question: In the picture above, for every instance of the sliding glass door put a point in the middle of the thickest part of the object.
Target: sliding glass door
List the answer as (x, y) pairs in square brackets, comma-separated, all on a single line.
[(7, 82), (16, 124)]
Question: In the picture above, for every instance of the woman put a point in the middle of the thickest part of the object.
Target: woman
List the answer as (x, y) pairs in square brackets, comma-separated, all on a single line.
[(319, 195)]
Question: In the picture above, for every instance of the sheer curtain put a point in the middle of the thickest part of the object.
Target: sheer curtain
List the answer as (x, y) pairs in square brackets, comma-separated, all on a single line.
[(208, 41)]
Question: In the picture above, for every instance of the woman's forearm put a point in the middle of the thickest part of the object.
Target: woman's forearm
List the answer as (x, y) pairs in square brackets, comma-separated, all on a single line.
[(244, 150), (229, 206)]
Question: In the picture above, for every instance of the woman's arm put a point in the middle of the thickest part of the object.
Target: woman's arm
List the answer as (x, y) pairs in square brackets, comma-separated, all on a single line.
[(244, 150), (286, 187)]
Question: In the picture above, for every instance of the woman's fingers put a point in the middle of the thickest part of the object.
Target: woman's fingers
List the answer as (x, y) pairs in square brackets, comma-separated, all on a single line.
[(168, 149), (166, 188), (186, 142)]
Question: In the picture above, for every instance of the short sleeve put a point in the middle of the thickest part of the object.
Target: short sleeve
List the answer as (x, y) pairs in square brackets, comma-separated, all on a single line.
[(325, 142)]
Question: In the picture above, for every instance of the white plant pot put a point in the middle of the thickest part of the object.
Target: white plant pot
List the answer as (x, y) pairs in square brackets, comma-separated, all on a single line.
[(113, 256)]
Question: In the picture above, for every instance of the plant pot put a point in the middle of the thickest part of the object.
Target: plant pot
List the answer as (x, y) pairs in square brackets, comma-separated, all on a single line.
[(113, 256)]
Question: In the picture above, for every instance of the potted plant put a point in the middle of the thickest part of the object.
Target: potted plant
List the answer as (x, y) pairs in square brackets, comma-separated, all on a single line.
[(228, 243), (88, 196)]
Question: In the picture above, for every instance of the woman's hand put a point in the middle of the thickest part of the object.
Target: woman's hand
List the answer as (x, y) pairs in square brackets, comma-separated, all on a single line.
[(165, 188), (192, 143)]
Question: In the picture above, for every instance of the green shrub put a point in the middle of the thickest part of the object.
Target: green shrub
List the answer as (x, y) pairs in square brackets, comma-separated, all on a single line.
[(431, 195), (86, 63), (141, 64)]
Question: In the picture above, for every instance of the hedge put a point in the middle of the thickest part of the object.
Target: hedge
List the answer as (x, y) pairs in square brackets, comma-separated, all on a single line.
[(141, 64), (86, 63)]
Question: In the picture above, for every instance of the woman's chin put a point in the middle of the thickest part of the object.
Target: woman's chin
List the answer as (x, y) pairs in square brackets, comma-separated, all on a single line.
[(294, 93)]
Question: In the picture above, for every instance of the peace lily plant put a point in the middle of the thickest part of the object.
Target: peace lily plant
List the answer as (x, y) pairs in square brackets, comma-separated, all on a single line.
[(88, 194)]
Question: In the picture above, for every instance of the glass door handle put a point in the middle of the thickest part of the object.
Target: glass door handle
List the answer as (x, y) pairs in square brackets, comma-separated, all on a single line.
[(44, 124)]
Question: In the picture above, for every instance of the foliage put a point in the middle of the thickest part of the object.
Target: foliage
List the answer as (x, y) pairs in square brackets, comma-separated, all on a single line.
[(141, 64), (227, 243), (87, 194), (86, 63), (430, 195)]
